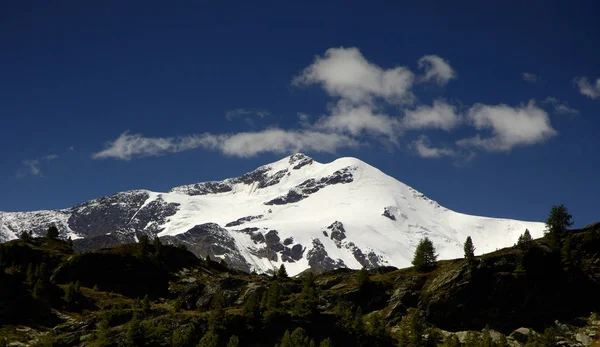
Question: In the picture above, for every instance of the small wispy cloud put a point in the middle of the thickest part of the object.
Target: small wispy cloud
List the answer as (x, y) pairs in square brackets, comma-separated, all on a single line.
[(424, 149), (436, 69), (530, 77), (31, 167), (561, 107), (246, 144), (592, 91)]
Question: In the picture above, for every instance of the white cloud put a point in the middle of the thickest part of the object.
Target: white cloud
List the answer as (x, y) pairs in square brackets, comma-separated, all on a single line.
[(587, 89), (436, 69), (439, 116), (345, 73), (425, 150), (510, 127), (247, 144), (346, 117), (32, 166), (530, 77), (561, 107)]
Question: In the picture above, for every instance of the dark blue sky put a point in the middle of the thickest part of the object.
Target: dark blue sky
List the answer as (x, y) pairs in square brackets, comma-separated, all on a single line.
[(74, 77)]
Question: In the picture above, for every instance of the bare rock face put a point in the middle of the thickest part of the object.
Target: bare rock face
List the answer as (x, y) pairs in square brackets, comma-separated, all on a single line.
[(311, 186), (212, 240), (319, 260)]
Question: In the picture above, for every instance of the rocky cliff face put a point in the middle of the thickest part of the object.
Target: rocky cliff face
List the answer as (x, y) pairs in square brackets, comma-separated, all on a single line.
[(296, 212)]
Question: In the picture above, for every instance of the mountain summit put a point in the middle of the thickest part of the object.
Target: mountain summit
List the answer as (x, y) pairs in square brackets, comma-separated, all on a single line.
[(296, 212)]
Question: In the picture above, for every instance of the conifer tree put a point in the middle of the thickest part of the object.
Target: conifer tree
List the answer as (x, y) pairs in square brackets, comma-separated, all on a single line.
[(52, 232), (25, 236), (146, 305), (469, 249), (157, 246), (524, 241), (234, 341), (210, 339), (282, 273), (143, 241), (326, 343), (362, 276), (557, 223), (425, 257)]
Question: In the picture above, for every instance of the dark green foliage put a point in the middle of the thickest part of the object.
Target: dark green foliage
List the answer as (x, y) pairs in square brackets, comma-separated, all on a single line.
[(306, 304), (377, 327), (469, 249), (425, 257), (297, 338), (486, 338), (557, 223), (362, 277), (411, 330), (52, 233), (183, 336), (234, 341), (3, 342), (282, 273), (46, 340), (103, 331), (25, 236), (451, 341), (471, 340), (524, 241), (133, 334), (157, 247), (326, 343), (144, 244), (210, 339), (73, 296), (146, 305), (252, 307)]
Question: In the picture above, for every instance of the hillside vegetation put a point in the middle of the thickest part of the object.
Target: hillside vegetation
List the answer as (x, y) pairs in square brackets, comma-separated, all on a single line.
[(149, 294)]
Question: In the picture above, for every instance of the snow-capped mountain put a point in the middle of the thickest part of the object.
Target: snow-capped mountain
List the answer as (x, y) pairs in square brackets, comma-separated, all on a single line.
[(296, 212)]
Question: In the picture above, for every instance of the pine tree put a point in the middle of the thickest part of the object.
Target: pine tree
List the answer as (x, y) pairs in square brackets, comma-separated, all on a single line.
[(297, 338), (306, 304), (30, 274), (52, 232), (524, 241), (143, 241), (234, 341), (210, 339), (157, 246), (362, 276), (469, 249), (425, 257), (557, 223), (132, 336), (25, 236), (69, 297), (282, 273), (146, 305), (252, 307), (326, 343)]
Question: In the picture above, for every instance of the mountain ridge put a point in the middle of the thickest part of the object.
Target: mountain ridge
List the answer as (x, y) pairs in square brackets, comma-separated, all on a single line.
[(295, 211)]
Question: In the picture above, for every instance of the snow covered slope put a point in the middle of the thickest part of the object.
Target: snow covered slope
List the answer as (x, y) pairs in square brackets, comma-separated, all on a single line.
[(295, 211)]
